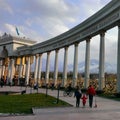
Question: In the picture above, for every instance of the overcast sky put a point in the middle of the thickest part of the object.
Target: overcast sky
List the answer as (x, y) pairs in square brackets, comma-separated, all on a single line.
[(41, 20)]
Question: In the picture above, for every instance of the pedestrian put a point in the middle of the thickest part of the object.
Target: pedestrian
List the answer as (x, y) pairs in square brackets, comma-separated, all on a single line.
[(78, 95), (84, 99), (69, 88), (91, 92)]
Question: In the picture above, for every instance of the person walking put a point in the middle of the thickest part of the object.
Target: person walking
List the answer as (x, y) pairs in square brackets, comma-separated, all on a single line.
[(91, 92), (78, 95), (84, 99)]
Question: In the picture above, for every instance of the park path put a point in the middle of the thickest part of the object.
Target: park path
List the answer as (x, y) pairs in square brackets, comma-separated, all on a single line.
[(106, 110)]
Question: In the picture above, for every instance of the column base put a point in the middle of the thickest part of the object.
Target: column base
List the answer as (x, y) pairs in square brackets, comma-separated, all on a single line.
[(98, 92), (117, 95)]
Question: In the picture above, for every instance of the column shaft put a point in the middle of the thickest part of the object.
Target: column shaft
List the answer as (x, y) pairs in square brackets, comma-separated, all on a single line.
[(36, 68), (12, 70), (75, 67), (64, 82), (56, 67), (87, 63), (47, 68), (39, 67), (3, 70), (20, 68), (28, 70), (101, 61), (0, 69), (9, 72), (118, 61)]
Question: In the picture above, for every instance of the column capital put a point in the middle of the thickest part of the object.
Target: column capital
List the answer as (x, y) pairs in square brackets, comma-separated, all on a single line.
[(102, 33), (37, 55), (12, 57), (88, 40), (66, 47), (40, 55), (76, 44), (56, 50), (48, 52)]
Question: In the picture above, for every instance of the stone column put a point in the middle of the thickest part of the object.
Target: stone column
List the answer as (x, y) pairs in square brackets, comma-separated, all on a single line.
[(9, 72), (36, 68), (87, 63), (118, 62), (20, 70), (56, 67), (12, 69), (75, 67), (27, 70), (47, 68), (0, 69), (24, 70), (3, 69), (39, 67), (65, 67), (23, 66), (101, 61)]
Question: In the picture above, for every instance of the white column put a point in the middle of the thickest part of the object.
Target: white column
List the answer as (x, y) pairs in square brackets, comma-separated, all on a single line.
[(12, 69), (0, 69), (9, 72), (20, 70), (39, 67), (3, 69), (118, 62), (56, 67), (75, 67), (28, 70), (101, 61), (24, 70), (65, 67), (87, 63), (36, 68), (47, 68)]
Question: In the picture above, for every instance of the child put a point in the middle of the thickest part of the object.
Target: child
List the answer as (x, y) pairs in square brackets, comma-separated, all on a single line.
[(84, 99)]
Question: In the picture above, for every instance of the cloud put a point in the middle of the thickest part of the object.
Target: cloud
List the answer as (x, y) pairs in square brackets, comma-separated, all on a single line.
[(50, 16), (10, 28), (4, 6)]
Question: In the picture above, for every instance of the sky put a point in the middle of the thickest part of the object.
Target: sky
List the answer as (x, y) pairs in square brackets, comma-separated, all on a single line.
[(41, 20)]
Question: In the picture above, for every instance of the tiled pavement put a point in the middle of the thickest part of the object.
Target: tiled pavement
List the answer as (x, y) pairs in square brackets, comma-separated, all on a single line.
[(106, 110)]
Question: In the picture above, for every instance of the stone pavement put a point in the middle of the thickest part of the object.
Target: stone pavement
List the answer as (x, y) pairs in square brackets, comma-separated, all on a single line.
[(106, 110)]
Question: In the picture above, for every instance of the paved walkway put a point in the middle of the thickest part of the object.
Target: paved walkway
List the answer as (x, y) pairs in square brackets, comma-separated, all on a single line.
[(106, 110)]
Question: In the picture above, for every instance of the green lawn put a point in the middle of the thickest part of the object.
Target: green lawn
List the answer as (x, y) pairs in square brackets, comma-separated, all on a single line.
[(110, 96), (24, 103)]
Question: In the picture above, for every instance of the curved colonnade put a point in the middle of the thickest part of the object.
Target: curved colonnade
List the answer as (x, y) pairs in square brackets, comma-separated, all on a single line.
[(105, 19)]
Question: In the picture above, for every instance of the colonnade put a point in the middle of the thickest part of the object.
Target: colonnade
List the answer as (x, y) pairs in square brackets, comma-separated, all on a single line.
[(24, 69), (101, 68)]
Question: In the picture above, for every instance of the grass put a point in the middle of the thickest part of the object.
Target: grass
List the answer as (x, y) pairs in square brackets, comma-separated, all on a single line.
[(110, 96), (24, 103)]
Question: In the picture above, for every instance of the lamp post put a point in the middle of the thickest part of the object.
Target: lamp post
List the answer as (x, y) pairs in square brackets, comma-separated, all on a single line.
[(46, 89), (58, 88)]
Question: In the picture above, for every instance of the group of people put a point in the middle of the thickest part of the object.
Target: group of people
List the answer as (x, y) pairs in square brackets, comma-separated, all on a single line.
[(84, 96)]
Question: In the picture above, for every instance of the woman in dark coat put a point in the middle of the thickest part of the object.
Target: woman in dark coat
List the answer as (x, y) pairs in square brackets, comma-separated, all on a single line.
[(78, 95)]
